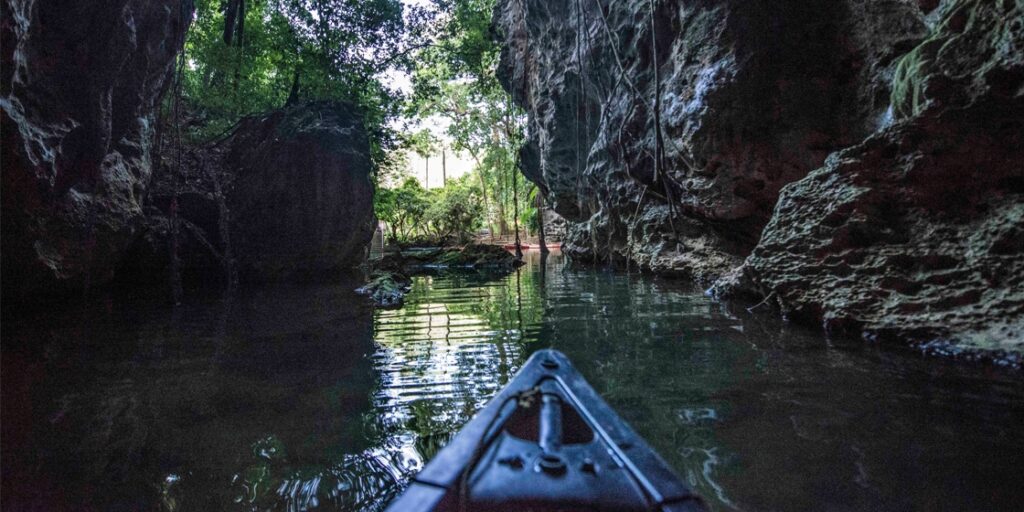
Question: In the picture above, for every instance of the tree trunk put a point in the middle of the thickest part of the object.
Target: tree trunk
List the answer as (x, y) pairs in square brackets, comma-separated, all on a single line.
[(444, 168), (483, 192), (240, 42), (240, 26), (540, 222), (426, 172), (293, 96), (515, 204), (230, 15), (502, 221)]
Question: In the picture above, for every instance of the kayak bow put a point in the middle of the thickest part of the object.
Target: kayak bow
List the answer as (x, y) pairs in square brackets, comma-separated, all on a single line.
[(547, 442)]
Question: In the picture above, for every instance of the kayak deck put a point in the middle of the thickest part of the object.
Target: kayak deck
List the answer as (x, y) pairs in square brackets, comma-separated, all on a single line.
[(547, 441)]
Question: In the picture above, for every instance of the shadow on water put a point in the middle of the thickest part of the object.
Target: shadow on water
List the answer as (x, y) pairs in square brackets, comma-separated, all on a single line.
[(304, 398)]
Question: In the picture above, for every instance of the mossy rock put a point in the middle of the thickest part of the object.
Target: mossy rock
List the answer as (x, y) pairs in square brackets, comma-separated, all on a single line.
[(477, 256), (489, 255), (969, 33), (386, 289)]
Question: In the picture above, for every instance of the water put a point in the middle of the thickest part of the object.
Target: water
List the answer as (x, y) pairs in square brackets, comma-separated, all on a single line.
[(305, 398)]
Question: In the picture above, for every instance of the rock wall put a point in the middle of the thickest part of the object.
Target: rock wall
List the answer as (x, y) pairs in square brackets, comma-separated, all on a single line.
[(288, 193), (917, 233), (79, 89), (285, 195), (663, 131), (693, 137)]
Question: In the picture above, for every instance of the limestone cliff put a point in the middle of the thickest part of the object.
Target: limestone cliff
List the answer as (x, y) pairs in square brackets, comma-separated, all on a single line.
[(284, 195), (288, 193), (664, 130), (79, 91), (693, 137)]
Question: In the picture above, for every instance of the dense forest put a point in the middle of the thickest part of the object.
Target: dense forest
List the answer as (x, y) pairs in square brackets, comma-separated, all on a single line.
[(247, 57)]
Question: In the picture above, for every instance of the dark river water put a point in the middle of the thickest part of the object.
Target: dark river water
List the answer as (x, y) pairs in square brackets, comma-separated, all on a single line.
[(304, 398)]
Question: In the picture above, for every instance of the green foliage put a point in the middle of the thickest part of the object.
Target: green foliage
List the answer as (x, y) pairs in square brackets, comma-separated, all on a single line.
[(300, 50), (422, 142), (456, 211), (278, 52), (402, 208), (530, 215), (456, 79), (450, 213)]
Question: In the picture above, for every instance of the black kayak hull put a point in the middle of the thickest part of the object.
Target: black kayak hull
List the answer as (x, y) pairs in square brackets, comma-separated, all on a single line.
[(547, 441)]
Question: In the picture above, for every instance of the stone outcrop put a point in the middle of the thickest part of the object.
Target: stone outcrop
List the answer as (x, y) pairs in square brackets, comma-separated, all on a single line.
[(286, 195), (663, 131), (81, 83), (300, 198), (694, 137), (917, 233)]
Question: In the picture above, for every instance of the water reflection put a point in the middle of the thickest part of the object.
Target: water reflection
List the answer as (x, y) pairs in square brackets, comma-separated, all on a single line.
[(456, 342), (306, 399)]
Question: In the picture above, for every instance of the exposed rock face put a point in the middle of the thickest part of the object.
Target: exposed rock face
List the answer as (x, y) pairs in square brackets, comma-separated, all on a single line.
[(663, 131), (300, 199), (918, 232), (914, 231), (286, 195), (81, 82)]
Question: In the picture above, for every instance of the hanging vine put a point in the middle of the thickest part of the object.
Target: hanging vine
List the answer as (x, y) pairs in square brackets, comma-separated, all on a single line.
[(175, 224), (659, 146)]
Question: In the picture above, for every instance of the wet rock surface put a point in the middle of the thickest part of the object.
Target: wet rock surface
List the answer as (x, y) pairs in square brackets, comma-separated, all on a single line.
[(694, 138), (386, 289), (89, 196), (471, 256), (663, 131), (285, 196), (390, 280), (918, 232), (81, 83)]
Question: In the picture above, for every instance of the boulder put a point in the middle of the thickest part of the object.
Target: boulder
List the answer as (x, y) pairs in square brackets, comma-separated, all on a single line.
[(285, 195), (300, 195), (386, 289)]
